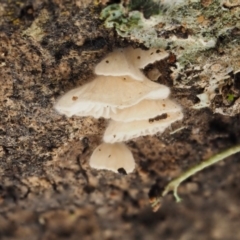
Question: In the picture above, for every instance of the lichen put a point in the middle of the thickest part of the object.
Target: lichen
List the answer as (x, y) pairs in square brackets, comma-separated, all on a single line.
[(198, 32), (184, 24), (218, 73)]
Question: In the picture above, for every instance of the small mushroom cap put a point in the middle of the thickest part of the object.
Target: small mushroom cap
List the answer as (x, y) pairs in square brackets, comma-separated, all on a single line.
[(141, 58), (145, 109), (105, 94), (128, 61), (116, 64), (112, 157), (124, 131)]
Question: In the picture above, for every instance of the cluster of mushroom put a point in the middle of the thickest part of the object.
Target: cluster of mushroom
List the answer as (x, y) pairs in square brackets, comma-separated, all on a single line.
[(135, 105)]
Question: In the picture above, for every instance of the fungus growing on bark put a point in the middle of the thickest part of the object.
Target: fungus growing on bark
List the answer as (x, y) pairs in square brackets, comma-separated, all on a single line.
[(102, 96), (112, 157), (128, 61), (137, 107), (124, 131), (146, 109)]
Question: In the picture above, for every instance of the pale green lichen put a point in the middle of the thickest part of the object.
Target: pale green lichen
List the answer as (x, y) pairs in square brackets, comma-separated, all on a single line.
[(202, 26), (115, 16), (199, 33)]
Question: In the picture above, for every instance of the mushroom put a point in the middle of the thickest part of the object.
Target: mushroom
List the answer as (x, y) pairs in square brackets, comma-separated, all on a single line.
[(117, 64), (112, 157), (146, 109), (128, 61), (141, 58), (102, 96), (137, 108), (124, 131)]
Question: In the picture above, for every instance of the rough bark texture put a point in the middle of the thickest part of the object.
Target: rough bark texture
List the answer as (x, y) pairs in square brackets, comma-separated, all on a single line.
[(47, 189)]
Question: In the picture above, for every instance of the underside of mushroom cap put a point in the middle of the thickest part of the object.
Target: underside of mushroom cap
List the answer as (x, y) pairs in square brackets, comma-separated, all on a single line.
[(117, 64), (112, 157), (145, 109), (124, 131), (105, 94)]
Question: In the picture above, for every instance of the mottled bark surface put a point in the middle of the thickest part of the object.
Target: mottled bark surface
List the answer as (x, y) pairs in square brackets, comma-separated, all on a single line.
[(48, 190)]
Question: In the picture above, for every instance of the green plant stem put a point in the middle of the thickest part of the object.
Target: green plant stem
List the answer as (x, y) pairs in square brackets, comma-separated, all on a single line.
[(174, 184)]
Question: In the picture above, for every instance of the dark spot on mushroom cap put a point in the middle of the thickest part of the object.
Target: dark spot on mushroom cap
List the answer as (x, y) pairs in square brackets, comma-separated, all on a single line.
[(138, 57), (107, 61), (109, 156), (164, 105), (151, 53), (158, 51), (157, 118), (74, 98), (122, 171)]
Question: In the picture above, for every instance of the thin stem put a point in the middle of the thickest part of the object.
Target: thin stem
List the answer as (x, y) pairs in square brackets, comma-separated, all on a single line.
[(174, 184)]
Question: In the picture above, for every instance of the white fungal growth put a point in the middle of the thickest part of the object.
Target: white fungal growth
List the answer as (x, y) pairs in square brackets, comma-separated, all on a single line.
[(141, 58), (102, 96), (124, 131), (128, 61), (117, 64), (112, 157), (145, 109), (136, 105)]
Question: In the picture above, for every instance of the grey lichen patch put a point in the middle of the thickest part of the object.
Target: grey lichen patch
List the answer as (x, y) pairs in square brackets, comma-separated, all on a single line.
[(193, 31), (185, 27), (219, 78), (216, 80)]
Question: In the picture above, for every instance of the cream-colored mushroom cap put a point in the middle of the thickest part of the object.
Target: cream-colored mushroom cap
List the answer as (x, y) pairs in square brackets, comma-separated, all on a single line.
[(116, 64), (146, 109), (128, 61), (124, 131), (141, 58), (112, 157), (105, 94)]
